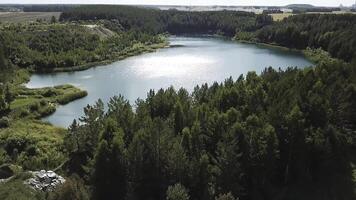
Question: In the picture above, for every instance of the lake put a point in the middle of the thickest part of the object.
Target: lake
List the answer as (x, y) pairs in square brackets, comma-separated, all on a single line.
[(194, 60)]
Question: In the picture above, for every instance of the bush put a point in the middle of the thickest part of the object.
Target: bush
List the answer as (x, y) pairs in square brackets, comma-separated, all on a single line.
[(47, 110), (245, 36), (15, 189), (73, 189), (71, 96), (43, 102), (24, 112), (50, 93), (177, 192), (34, 107), (4, 158), (227, 196), (6, 171), (4, 122)]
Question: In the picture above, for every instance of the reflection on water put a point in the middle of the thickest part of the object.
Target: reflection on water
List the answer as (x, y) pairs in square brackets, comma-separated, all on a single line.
[(196, 61), (173, 66)]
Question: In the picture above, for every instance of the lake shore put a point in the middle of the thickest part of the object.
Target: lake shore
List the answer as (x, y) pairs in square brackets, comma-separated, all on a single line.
[(37, 103), (30, 98), (191, 61), (313, 55), (134, 51)]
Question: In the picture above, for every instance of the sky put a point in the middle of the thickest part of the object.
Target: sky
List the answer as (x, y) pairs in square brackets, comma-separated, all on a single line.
[(189, 2)]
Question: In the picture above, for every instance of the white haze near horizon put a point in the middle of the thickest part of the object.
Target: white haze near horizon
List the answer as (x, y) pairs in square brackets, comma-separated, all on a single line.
[(188, 2)]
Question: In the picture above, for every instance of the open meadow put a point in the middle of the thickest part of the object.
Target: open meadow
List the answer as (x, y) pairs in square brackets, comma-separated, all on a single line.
[(27, 16)]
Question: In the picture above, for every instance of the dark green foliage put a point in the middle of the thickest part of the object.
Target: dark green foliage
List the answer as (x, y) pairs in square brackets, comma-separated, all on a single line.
[(47, 7), (73, 189), (110, 167), (333, 33), (15, 189), (172, 21), (3, 60), (6, 171), (9, 96), (279, 135), (227, 196), (81, 142), (53, 19), (6, 97), (45, 47), (4, 122), (253, 138)]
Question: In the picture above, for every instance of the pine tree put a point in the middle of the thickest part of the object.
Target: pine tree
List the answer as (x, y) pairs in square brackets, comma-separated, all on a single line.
[(110, 167), (178, 117), (9, 97)]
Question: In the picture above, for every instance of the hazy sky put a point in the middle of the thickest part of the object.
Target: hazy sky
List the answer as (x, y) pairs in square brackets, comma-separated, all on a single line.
[(189, 2)]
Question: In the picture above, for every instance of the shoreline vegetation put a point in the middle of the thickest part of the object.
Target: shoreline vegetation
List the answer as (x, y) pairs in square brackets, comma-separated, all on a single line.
[(316, 56), (30, 105), (137, 50)]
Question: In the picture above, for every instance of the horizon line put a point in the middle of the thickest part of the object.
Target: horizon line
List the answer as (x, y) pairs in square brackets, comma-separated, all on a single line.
[(191, 5)]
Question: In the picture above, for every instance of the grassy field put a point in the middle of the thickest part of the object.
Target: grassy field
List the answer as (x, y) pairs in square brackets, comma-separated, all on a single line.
[(280, 16), (27, 16)]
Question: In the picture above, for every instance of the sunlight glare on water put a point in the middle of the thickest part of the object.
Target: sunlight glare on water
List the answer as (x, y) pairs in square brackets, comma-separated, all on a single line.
[(175, 66)]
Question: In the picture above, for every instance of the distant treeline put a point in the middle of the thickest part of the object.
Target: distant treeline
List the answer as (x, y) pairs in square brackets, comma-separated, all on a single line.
[(333, 33), (37, 7), (172, 21), (46, 8), (316, 9)]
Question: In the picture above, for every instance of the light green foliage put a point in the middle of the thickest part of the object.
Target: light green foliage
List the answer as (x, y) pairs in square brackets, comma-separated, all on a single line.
[(318, 55), (42, 102), (15, 190), (227, 196), (245, 36), (32, 144), (177, 192)]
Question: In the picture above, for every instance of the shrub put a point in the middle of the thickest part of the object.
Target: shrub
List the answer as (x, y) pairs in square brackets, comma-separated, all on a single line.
[(73, 189), (50, 93), (227, 196), (34, 107), (23, 112), (4, 122), (177, 192), (43, 102), (71, 96), (47, 110)]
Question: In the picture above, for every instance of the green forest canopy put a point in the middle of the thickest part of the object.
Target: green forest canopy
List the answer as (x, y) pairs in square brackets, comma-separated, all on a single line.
[(332, 32), (279, 135)]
